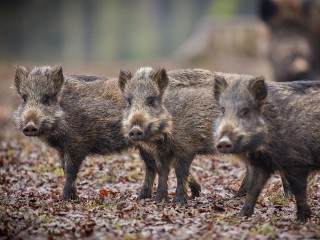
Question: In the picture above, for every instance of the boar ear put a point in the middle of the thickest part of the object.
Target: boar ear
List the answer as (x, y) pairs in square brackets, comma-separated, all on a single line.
[(220, 84), (161, 78), (57, 77), (258, 88), (266, 9), (124, 77), (21, 73)]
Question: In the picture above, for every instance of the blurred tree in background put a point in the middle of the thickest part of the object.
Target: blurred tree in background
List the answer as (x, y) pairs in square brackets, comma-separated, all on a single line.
[(104, 30)]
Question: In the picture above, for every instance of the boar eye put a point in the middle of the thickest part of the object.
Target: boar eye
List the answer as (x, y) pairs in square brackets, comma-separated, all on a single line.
[(128, 102), (244, 112), (222, 109), (45, 99), (151, 101), (24, 98)]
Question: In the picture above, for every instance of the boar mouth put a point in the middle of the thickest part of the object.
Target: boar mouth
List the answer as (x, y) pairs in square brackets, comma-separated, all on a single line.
[(30, 134)]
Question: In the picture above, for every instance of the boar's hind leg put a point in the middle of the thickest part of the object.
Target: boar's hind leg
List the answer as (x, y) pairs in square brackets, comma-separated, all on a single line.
[(194, 186), (151, 167), (182, 172), (71, 166), (254, 188), (243, 190), (285, 185), (163, 168), (298, 184)]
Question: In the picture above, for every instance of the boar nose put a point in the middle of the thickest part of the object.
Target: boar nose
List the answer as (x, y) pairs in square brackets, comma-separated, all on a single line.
[(225, 145), (30, 130), (136, 134), (300, 65)]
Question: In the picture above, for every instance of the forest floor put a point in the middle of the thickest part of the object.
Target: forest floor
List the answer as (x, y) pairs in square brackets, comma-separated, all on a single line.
[(31, 180)]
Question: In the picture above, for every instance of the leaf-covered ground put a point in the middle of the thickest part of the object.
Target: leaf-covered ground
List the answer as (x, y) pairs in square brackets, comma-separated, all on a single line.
[(31, 180)]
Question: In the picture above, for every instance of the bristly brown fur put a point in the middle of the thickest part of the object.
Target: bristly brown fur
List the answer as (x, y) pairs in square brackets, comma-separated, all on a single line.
[(280, 131), (176, 127), (85, 119)]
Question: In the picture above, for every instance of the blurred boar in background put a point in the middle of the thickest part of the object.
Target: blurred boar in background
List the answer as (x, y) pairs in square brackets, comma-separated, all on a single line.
[(294, 38), (76, 115), (270, 126)]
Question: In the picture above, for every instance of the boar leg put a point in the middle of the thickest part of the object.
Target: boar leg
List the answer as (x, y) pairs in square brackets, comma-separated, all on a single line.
[(285, 185), (163, 173), (151, 168), (246, 182), (71, 166), (297, 179), (194, 186), (243, 190), (182, 172), (260, 177)]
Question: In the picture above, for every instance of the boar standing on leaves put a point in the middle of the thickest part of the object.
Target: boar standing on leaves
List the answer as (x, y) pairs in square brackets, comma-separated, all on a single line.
[(168, 119), (76, 115), (270, 126)]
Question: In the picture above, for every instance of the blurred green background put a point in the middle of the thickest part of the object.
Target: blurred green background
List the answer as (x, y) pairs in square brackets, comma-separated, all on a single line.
[(107, 31), (99, 37)]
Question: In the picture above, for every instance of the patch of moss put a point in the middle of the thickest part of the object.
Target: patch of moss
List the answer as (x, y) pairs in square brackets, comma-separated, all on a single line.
[(134, 175), (264, 229), (105, 178), (228, 218), (46, 219), (39, 169), (278, 200), (109, 206), (58, 172), (117, 226)]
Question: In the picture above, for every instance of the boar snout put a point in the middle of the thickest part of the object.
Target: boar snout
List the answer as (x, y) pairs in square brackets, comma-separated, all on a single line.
[(30, 130), (224, 145), (136, 134)]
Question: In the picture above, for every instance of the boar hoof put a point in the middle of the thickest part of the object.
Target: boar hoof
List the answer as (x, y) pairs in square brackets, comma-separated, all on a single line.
[(180, 199), (144, 193), (160, 196), (239, 194), (246, 212), (195, 191), (287, 193), (303, 215), (69, 196), (195, 194)]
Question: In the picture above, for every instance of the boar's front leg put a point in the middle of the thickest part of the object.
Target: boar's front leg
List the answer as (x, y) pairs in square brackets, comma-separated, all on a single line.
[(254, 187), (163, 168), (151, 168), (297, 179), (243, 190), (182, 168), (71, 165)]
